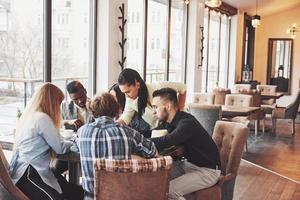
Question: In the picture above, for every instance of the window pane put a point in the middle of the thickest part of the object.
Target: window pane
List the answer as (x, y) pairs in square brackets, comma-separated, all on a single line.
[(135, 35), (223, 52), (213, 51), (177, 41), (70, 42), (157, 40), (21, 57)]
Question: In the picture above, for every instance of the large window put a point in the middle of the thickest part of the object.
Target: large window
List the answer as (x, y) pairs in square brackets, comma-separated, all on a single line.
[(21, 57), (70, 41), (161, 55), (216, 47), (24, 50)]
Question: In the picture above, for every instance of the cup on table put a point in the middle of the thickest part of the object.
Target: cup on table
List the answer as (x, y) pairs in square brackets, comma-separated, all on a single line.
[(66, 133), (159, 133)]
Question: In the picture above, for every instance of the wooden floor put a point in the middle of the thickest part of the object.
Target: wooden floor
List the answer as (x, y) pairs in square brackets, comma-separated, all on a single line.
[(280, 154), (255, 183)]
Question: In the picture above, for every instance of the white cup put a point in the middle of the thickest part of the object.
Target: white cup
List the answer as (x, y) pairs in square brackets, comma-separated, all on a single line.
[(67, 133), (159, 133)]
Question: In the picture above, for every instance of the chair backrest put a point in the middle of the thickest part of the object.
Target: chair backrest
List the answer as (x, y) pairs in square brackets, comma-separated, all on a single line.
[(242, 88), (267, 89), (6, 181), (292, 109), (238, 100), (207, 115), (203, 98), (220, 94), (230, 138), (256, 97), (132, 179)]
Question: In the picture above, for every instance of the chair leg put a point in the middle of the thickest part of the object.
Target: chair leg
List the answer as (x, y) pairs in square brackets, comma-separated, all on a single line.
[(274, 126), (293, 127), (264, 123), (255, 127)]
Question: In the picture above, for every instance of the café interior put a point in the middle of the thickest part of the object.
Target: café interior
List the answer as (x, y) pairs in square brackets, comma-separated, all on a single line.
[(239, 61)]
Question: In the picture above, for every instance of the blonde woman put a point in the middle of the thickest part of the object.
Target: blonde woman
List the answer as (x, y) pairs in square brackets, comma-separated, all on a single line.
[(36, 137)]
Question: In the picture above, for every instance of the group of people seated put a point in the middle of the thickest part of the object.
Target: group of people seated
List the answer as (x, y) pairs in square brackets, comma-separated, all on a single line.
[(112, 125)]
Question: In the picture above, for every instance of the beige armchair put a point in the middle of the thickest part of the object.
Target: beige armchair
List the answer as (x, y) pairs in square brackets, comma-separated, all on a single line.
[(6, 181), (268, 105), (220, 94), (146, 179), (203, 98), (230, 138), (289, 112), (242, 88), (242, 100)]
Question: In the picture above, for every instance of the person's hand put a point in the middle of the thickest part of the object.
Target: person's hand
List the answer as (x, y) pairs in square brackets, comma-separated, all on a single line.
[(121, 122), (77, 124)]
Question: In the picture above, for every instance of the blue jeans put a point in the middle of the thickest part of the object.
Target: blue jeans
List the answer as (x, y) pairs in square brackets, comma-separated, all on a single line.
[(138, 123)]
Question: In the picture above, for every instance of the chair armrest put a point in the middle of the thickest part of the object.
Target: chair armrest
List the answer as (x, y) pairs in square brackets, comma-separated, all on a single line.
[(226, 178), (279, 112)]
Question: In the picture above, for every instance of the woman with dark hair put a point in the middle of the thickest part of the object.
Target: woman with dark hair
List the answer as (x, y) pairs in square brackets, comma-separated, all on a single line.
[(120, 97), (138, 111)]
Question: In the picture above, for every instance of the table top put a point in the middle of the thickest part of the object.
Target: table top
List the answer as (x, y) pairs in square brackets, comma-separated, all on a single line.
[(238, 110), (276, 95)]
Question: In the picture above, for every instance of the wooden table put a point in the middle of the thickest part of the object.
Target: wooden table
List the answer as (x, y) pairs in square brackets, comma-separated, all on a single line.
[(233, 111), (275, 96), (73, 160)]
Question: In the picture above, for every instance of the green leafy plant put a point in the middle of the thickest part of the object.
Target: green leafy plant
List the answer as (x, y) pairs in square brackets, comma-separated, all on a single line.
[(19, 113)]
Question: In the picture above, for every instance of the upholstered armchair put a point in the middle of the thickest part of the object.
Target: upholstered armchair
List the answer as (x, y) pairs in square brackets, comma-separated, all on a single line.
[(220, 94), (268, 105), (289, 112), (207, 115), (203, 98), (146, 179), (230, 138), (238, 88), (13, 192), (259, 114)]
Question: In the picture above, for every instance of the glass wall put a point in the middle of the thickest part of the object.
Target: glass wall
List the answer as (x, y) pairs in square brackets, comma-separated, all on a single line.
[(21, 57), (22, 38), (70, 41), (216, 47), (164, 25)]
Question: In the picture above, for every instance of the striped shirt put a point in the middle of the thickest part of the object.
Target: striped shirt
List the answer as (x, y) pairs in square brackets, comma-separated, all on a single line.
[(106, 139)]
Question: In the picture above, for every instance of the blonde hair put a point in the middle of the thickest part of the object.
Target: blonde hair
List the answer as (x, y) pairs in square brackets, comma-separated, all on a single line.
[(46, 99)]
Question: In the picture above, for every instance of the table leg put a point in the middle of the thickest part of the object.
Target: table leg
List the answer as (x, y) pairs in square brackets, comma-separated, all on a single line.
[(74, 172)]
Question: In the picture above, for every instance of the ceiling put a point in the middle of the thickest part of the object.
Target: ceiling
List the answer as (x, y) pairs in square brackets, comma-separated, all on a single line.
[(264, 7)]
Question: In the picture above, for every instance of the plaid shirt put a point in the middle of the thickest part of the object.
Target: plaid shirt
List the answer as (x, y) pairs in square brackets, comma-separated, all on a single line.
[(106, 139)]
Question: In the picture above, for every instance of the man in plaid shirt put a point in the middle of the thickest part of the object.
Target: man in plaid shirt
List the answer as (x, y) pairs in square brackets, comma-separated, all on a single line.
[(106, 139)]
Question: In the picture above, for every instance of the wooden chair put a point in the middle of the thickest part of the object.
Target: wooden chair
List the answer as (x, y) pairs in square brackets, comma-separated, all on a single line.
[(145, 179), (230, 138), (289, 112), (207, 115), (12, 189)]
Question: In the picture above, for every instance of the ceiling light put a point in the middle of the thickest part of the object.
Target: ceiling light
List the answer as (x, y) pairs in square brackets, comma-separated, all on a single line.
[(213, 3), (256, 18)]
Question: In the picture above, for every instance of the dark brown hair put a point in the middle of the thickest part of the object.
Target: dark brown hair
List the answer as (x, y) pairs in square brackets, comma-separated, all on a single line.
[(104, 105)]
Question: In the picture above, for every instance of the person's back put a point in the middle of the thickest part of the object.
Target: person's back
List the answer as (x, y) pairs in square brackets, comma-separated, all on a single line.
[(106, 139)]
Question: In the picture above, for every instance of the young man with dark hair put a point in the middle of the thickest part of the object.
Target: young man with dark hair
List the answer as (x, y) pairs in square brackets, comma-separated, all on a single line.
[(104, 138), (200, 167), (75, 113)]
